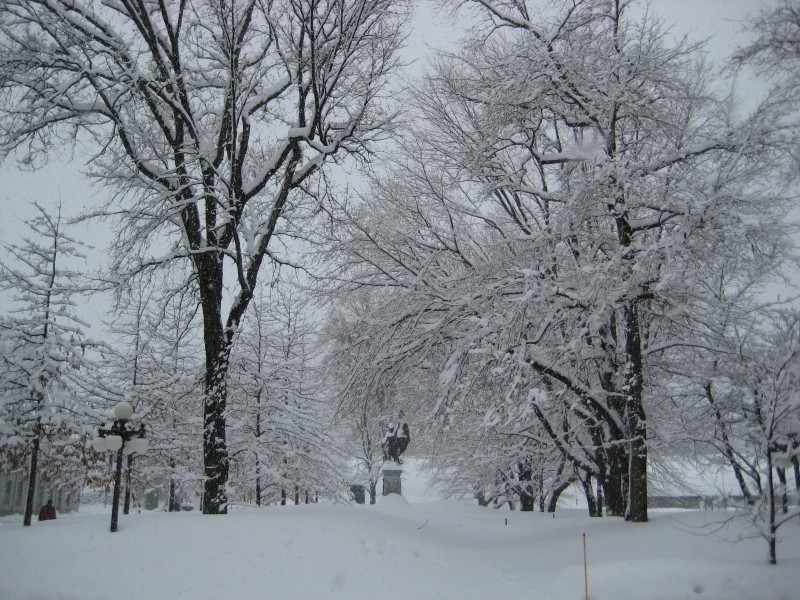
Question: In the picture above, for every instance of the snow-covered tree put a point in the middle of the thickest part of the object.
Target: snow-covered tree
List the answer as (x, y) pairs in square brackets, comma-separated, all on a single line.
[(281, 441), (775, 55), (42, 347), (213, 120), (361, 391), (753, 399), (776, 48), (154, 367), (569, 173)]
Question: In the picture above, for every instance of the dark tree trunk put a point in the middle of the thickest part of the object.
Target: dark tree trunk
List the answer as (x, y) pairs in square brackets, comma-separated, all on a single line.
[(784, 495), (296, 495), (258, 436), (32, 474), (586, 484), (173, 505), (217, 354), (635, 420), (555, 494), (526, 499), (637, 490), (526, 496), (173, 501), (283, 497), (600, 503), (128, 467), (727, 448), (215, 453), (373, 492), (540, 493), (772, 517), (615, 480)]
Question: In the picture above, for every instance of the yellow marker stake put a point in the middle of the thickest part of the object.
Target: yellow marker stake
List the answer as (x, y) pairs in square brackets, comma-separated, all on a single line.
[(585, 569)]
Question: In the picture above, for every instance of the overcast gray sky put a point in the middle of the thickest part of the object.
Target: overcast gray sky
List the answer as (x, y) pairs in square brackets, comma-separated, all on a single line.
[(719, 20)]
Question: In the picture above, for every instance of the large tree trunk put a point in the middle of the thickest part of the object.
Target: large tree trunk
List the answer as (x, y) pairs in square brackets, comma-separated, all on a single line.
[(217, 348), (586, 484), (615, 480), (215, 452), (635, 420)]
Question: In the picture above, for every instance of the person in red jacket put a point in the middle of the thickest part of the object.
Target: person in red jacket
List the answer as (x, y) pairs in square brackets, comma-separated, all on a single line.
[(48, 511)]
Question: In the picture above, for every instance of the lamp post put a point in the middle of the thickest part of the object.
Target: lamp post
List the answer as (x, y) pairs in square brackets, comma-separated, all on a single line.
[(122, 439)]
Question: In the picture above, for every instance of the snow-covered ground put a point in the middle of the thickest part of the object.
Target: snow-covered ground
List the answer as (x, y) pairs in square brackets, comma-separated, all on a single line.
[(411, 548)]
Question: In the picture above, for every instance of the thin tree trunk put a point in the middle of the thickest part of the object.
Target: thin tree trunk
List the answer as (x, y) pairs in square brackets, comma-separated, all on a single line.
[(784, 495), (796, 468), (540, 482), (172, 504), (258, 437), (727, 449), (600, 502), (771, 538), (173, 500), (526, 496), (32, 474), (128, 468)]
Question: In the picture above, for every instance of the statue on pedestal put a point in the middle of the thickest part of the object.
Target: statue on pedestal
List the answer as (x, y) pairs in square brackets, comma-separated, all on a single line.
[(396, 440)]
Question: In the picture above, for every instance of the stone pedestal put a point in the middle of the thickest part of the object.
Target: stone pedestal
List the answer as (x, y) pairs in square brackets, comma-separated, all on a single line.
[(391, 480)]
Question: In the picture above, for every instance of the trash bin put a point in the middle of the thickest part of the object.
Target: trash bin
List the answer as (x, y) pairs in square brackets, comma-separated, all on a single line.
[(357, 491)]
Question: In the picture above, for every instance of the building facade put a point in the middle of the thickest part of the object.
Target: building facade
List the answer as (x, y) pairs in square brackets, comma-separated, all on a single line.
[(14, 492)]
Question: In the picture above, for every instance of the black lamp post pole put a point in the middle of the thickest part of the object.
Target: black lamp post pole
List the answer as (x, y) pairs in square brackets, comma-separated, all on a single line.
[(117, 478), (119, 428)]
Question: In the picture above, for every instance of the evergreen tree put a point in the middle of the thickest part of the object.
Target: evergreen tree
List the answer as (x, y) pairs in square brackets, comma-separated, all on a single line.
[(42, 350)]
